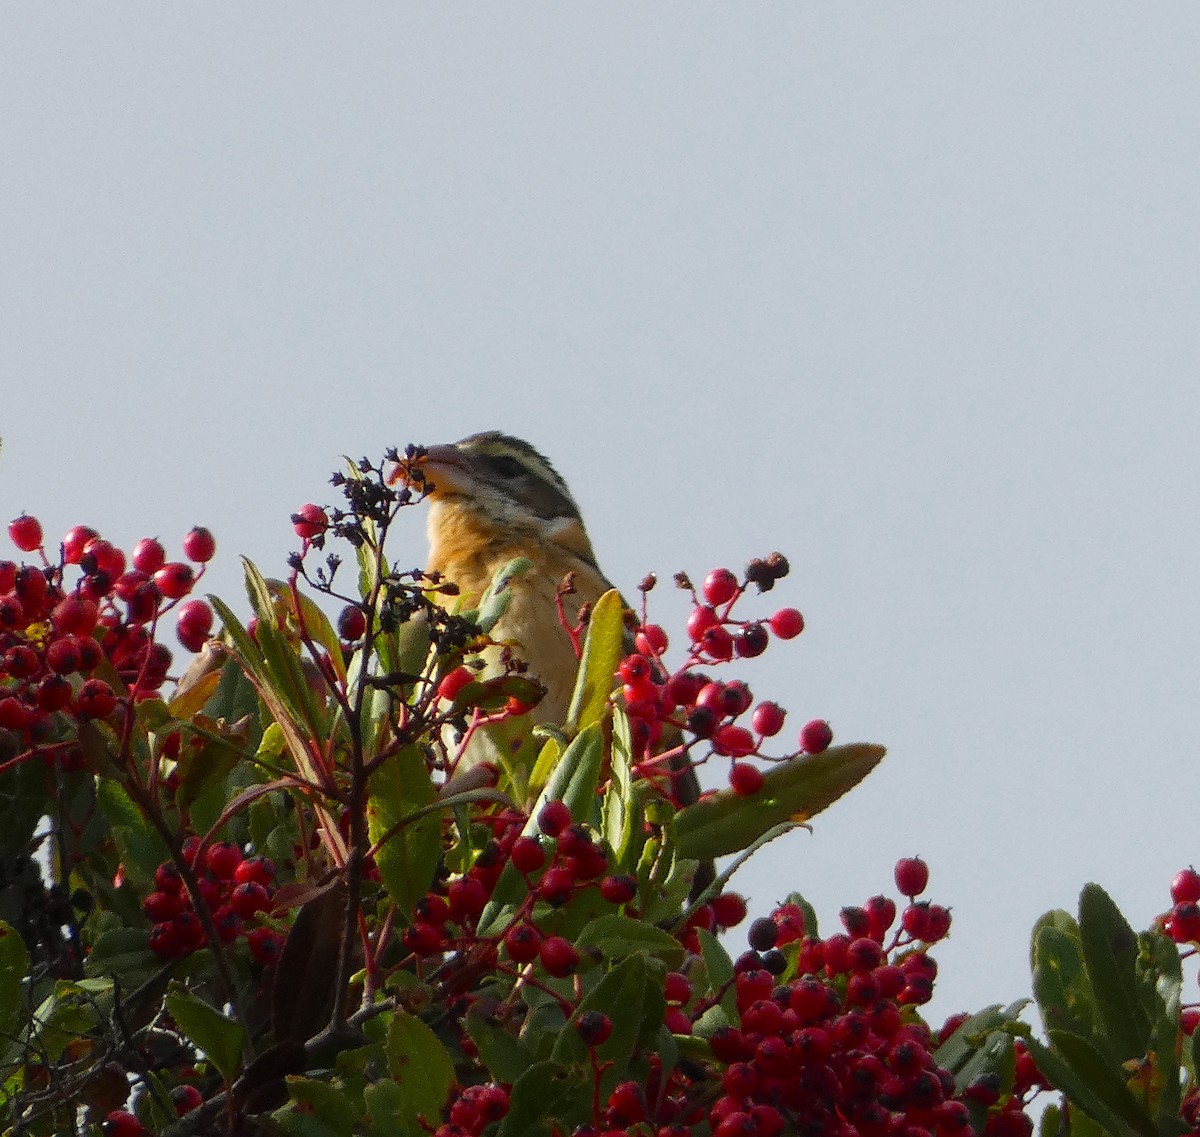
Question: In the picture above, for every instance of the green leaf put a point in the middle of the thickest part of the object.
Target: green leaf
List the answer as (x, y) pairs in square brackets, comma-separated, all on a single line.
[(14, 966), (219, 1037), (966, 1040), (125, 953), (536, 1098), (575, 777), (384, 1101), (617, 810), (504, 1054), (603, 647), (409, 856), (1060, 985), (420, 1066), (719, 969), (496, 599), (616, 937), (326, 1102), (1110, 950), (631, 996), (794, 790), (1094, 1084)]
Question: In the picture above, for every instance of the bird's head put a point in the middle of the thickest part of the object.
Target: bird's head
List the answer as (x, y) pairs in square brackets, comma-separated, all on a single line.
[(491, 492)]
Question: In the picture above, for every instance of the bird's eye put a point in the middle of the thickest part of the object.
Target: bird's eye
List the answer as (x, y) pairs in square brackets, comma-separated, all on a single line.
[(506, 466)]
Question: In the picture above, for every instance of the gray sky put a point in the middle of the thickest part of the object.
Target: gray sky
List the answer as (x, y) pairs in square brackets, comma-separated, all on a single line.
[(908, 292)]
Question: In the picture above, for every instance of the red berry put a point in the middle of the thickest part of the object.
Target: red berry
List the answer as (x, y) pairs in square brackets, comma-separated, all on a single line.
[(21, 661), (767, 719), (467, 898), (729, 909), (1189, 1019), (522, 941), (787, 623), (14, 715), (222, 859), (257, 870), (62, 656), (557, 886), (53, 693), (101, 556), (148, 556), (527, 854), (815, 736), (265, 945), (74, 541), (31, 588), (558, 956), (720, 586), (619, 888), (352, 623), (175, 579), (651, 640), (717, 643), (185, 1099), (553, 818), (95, 699), (733, 741), (677, 988), (751, 641), (309, 521), (193, 624), (594, 1028), (453, 682), (120, 1123), (745, 780), (248, 899), (1185, 886), (199, 545), (912, 876), (26, 533), (699, 622), (167, 878), (74, 615), (162, 906)]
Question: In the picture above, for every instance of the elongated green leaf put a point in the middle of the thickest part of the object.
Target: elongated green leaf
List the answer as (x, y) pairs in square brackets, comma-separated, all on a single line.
[(1104, 1082), (14, 966), (792, 791), (1109, 955), (575, 776), (408, 858), (1060, 985), (719, 969), (603, 647), (1075, 1089), (494, 602), (616, 936), (219, 1037), (1160, 984), (617, 811), (420, 1066)]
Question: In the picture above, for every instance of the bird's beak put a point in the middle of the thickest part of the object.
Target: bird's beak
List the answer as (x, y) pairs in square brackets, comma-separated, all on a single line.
[(446, 470)]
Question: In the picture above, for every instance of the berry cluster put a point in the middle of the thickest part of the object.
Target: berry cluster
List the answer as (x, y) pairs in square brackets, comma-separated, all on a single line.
[(715, 717), (827, 1033), (55, 633), (236, 888)]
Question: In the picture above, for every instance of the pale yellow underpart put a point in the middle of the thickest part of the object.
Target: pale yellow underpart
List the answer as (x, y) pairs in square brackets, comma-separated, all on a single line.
[(469, 549)]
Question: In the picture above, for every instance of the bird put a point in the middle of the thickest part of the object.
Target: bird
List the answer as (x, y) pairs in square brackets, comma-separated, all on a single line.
[(493, 497)]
